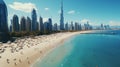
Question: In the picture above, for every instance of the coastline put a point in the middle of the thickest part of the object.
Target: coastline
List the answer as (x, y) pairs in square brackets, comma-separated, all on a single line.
[(32, 49), (56, 46)]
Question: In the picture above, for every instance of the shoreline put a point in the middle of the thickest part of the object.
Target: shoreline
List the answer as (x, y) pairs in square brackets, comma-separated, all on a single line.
[(59, 44), (49, 51), (56, 46), (32, 49)]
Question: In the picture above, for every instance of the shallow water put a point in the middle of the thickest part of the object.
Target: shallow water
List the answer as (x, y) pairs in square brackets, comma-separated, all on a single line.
[(85, 50)]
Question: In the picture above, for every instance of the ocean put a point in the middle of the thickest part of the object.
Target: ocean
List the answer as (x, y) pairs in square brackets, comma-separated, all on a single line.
[(98, 49)]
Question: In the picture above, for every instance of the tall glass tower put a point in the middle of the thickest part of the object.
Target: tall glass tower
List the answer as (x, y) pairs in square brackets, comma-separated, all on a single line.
[(3, 17), (61, 17), (34, 20), (15, 23), (41, 25)]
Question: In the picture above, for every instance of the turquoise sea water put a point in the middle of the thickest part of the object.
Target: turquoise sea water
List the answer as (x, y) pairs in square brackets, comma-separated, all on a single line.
[(86, 50)]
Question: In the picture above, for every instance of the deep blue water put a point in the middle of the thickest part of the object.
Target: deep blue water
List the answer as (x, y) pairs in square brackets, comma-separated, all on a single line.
[(86, 50)]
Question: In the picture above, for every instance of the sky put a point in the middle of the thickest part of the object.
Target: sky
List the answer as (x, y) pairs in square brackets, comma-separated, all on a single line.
[(94, 11)]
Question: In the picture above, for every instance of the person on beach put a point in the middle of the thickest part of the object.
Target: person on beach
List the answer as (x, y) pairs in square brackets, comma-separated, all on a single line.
[(8, 61), (20, 61), (15, 64)]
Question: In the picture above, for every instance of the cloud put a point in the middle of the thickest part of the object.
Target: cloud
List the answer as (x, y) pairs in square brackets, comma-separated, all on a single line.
[(24, 7), (71, 12), (46, 9)]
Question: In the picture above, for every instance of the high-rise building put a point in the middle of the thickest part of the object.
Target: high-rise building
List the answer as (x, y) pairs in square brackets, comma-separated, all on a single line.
[(66, 26), (71, 26), (23, 24), (11, 25), (28, 24), (107, 27), (10, 28), (55, 27), (61, 17), (15, 24), (80, 27), (102, 26), (3, 17), (41, 25), (76, 26), (87, 26), (50, 24), (34, 20), (46, 27), (37, 26)]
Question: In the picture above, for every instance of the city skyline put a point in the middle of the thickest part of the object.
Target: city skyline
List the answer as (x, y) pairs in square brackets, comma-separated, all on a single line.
[(30, 26), (96, 12)]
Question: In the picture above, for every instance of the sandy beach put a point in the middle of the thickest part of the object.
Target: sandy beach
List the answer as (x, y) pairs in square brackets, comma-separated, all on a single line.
[(24, 52)]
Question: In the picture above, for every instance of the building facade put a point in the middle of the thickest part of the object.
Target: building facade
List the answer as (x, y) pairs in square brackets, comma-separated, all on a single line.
[(46, 27), (15, 24), (61, 17), (28, 24), (3, 17), (34, 20), (41, 25), (55, 28), (23, 24), (50, 24), (66, 27)]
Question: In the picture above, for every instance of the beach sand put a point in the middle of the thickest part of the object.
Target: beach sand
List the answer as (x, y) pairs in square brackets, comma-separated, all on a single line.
[(24, 52)]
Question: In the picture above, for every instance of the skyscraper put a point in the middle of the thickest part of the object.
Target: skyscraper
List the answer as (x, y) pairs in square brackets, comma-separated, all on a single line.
[(66, 26), (55, 27), (76, 26), (61, 17), (71, 26), (37, 26), (23, 24), (28, 24), (80, 27), (10, 28), (87, 26), (102, 26), (3, 17), (41, 25), (15, 24), (46, 27), (34, 20), (50, 24)]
